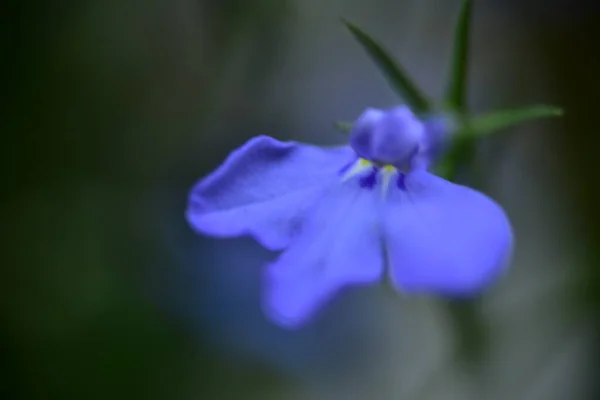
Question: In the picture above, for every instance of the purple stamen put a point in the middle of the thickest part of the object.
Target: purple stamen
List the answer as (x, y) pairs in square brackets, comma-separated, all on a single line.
[(369, 181), (401, 182)]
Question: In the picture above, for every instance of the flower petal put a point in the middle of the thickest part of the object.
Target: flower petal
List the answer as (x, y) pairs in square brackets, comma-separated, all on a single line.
[(388, 137), (340, 245), (444, 238), (263, 189)]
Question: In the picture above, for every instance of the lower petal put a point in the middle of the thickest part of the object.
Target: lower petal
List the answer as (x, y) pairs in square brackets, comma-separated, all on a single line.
[(340, 245), (263, 189), (444, 238)]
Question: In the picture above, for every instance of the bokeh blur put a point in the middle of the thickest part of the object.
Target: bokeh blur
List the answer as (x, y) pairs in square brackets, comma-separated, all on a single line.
[(114, 108)]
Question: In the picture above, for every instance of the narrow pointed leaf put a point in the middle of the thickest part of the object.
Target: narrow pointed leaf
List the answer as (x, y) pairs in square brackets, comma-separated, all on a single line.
[(395, 74), (462, 148), (343, 126), (456, 90), (485, 124)]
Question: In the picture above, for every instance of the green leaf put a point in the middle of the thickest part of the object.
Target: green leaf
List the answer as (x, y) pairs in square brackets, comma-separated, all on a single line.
[(455, 97), (394, 73), (343, 126), (462, 148), (496, 120)]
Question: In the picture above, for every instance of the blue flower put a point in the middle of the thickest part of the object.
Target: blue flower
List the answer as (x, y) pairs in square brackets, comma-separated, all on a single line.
[(348, 215)]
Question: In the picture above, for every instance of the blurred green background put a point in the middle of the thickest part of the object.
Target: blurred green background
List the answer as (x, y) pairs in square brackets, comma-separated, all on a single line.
[(115, 108)]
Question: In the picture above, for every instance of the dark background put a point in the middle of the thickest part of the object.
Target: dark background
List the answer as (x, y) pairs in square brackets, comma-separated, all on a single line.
[(114, 108)]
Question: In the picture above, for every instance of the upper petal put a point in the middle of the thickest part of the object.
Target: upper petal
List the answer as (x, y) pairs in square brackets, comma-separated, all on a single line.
[(388, 137), (263, 189), (444, 238), (340, 244)]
